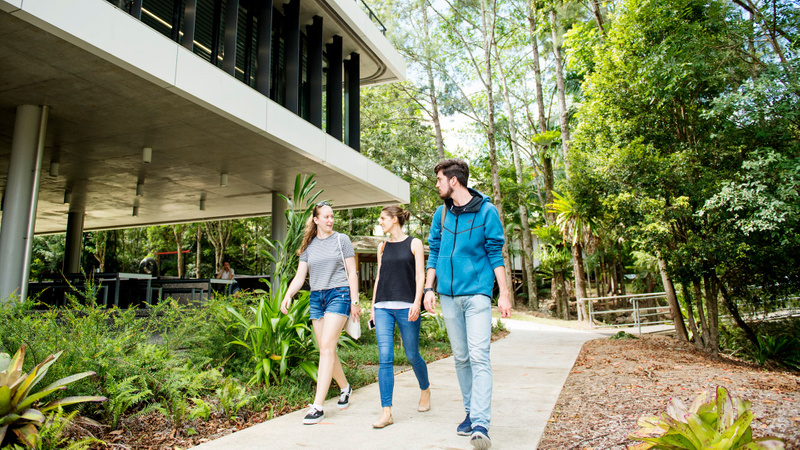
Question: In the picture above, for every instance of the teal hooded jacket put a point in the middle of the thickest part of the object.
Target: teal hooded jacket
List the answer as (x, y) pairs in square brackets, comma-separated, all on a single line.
[(468, 249)]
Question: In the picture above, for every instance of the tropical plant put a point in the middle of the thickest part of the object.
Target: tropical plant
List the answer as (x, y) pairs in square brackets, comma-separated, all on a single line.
[(433, 327), (715, 420), (298, 210), (275, 340), (18, 410)]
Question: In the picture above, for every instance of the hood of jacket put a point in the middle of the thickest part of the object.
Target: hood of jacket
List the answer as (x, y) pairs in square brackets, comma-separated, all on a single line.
[(474, 205)]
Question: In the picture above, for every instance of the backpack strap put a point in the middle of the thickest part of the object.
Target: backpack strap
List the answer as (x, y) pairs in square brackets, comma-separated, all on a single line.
[(444, 213)]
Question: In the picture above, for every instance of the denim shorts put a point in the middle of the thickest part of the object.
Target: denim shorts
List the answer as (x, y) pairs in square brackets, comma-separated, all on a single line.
[(333, 301)]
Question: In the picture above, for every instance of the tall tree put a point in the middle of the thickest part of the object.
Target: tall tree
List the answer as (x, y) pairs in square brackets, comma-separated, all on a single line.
[(219, 234)]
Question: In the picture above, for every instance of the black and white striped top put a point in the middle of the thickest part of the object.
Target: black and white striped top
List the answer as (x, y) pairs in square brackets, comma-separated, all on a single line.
[(325, 265)]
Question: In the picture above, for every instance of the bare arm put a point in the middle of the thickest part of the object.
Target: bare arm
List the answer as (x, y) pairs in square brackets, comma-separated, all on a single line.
[(419, 272), (377, 277), (503, 300), (352, 278), (295, 285), (430, 296)]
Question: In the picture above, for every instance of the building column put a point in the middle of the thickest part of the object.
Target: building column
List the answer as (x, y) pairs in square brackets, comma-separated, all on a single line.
[(292, 39), (352, 97), (279, 225), (189, 22), (74, 241), (19, 207), (314, 66), (333, 108), (231, 28), (264, 52)]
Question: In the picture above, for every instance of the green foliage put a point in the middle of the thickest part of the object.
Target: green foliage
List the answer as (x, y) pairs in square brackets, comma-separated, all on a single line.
[(498, 327), (777, 343), (622, 336), (715, 420), (783, 349), (19, 410), (433, 327), (53, 434), (233, 397), (123, 395), (276, 341)]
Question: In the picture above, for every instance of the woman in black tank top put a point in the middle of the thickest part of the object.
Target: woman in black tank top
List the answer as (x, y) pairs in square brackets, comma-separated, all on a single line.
[(396, 300)]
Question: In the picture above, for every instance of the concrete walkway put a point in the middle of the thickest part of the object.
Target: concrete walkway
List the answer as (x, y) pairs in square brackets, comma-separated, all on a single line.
[(529, 367)]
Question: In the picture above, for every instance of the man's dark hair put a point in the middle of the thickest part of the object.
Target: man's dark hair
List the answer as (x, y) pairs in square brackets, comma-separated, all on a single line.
[(454, 168)]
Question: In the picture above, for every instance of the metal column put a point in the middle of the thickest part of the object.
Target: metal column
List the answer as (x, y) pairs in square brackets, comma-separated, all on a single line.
[(314, 66), (74, 241), (264, 52), (231, 27), (279, 224), (292, 39), (352, 93), (189, 21), (334, 88), (20, 197)]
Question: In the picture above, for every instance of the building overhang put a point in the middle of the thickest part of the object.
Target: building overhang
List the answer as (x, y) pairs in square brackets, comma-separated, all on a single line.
[(114, 86)]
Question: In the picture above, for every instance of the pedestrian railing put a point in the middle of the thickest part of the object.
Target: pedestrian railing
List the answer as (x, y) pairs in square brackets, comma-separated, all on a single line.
[(640, 314)]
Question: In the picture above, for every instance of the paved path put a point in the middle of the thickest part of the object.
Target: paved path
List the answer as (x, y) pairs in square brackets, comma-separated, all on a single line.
[(529, 367)]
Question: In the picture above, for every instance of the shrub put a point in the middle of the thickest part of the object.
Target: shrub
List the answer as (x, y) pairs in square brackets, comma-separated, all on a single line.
[(716, 420)]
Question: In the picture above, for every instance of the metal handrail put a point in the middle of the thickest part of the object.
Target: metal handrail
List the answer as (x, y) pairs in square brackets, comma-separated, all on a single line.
[(374, 17), (637, 312)]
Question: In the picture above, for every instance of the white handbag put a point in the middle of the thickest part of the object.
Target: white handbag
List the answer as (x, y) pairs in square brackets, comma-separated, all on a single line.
[(353, 325)]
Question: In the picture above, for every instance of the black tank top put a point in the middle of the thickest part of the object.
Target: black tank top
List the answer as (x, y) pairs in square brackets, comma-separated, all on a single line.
[(397, 281)]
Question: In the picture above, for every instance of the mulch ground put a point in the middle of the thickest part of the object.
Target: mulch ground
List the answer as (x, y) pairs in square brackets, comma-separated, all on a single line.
[(614, 382)]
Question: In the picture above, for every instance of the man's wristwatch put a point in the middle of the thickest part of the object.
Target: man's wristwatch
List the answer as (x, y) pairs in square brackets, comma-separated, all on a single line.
[(426, 290)]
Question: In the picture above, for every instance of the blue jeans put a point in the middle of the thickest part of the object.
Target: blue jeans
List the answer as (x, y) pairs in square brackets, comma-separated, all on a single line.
[(469, 326), (409, 331)]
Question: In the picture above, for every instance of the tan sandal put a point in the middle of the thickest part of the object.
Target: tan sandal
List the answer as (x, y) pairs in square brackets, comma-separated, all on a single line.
[(424, 406), (383, 423)]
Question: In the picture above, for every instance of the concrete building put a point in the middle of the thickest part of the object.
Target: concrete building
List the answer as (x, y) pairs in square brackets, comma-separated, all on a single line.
[(139, 112)]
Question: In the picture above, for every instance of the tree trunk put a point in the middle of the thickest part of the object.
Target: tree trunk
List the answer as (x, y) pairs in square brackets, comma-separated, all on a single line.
[(712, 294), (558, 294), (547, 162), (580, 282), (598, 16), (734, 310), (177, 231), (219, 234), (701, 314), (437, 127), (672, 299), (698, 338), (561, 90), (527, 246), (488, 39), (199, 253)]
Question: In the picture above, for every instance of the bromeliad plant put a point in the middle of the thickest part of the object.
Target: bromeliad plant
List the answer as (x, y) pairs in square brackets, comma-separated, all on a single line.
[(19, 412), (716, 420)]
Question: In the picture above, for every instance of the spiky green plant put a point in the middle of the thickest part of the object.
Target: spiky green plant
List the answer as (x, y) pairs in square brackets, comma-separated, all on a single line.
[(18, 403), (716, 420)]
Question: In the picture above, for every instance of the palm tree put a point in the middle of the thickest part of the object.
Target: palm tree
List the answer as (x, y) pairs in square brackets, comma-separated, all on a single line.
[(576, 227)]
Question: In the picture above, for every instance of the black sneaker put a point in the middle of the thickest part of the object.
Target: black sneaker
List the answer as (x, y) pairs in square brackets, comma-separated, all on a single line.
[(344, 398), (465, 428), (314, 416), (480, 438)]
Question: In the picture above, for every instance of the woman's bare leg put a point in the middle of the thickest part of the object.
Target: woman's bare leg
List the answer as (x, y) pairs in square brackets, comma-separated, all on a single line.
[(327, 331)]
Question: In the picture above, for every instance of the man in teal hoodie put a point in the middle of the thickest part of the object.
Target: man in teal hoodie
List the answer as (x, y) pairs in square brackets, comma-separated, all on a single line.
[(466, 254)]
